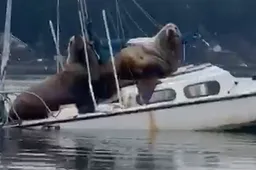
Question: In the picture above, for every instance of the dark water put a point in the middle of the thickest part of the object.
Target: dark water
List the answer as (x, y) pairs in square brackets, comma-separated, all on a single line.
[(126, 150)]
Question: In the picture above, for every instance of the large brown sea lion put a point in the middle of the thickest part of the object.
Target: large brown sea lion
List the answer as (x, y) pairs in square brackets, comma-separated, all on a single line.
[(156, 56), (147, 61), (66, 87)]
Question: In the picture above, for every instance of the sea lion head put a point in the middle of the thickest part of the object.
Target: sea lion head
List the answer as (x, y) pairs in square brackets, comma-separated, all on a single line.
[(169, 36), (172, 31), (169, 44), (76, 50), (77, 55)]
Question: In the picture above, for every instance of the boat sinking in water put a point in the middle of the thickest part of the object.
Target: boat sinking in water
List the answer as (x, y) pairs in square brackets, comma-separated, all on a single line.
[(202, 97), (196, 97)]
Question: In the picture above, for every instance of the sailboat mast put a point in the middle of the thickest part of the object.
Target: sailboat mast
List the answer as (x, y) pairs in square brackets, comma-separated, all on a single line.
[(84, 15), (58, 26), (6, 46), (58, 37), (81, 14), (112, 57), (85, 10)]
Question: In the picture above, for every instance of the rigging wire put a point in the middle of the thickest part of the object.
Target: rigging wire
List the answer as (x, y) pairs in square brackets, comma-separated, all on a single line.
[(153, 21), (112, 22), (134, 22), (119, 19), (127, 27)]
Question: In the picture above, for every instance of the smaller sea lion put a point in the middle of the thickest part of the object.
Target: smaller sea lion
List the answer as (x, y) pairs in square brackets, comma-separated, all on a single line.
[(66, 87), (76, 54)]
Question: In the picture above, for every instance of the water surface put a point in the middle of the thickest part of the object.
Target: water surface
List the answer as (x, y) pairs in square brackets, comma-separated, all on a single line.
[(126, 150)]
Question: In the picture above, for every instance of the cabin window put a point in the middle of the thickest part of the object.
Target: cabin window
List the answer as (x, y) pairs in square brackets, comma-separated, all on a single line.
[(159, 96), (203, 89)]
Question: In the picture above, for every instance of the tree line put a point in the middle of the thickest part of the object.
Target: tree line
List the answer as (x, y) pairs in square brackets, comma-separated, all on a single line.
[(230, 23)]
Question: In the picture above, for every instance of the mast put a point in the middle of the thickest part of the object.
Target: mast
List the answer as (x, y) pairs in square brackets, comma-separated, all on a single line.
[(85, 17), (5, 57), (6, 46), (112, 57), (82, 19), (56, 38)]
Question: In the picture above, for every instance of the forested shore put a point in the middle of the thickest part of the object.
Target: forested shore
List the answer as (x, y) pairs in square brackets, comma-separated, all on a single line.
[(229, 23)]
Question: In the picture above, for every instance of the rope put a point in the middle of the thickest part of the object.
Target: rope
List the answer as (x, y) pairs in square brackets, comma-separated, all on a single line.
[(87, 61), (112, 56)]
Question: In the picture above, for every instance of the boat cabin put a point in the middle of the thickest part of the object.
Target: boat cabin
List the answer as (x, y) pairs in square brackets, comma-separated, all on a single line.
[(190, 83)]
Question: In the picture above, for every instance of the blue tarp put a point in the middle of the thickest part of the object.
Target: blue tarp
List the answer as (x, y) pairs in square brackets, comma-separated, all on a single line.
[(101, 45), (102, 48)]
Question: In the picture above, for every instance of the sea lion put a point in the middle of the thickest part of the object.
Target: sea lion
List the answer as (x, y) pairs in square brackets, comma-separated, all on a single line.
[(152, 58), (103, 83), (142, 63), (76, 54), (66, 87), (155, 56)]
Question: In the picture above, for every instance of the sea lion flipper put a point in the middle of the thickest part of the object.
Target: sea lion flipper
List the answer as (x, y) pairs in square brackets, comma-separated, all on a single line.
[(146, 88)]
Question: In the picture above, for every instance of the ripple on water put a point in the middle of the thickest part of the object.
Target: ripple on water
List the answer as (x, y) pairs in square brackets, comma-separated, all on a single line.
[(26, 149)]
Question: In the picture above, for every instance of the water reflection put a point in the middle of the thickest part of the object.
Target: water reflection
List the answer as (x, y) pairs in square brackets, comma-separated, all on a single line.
[(27, 149)]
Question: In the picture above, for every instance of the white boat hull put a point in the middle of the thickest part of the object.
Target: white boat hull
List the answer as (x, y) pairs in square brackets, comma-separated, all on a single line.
[(210, 115), (232, 107)]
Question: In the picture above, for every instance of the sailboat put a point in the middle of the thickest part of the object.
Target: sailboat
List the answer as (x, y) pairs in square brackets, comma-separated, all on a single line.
[(196, 97)]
